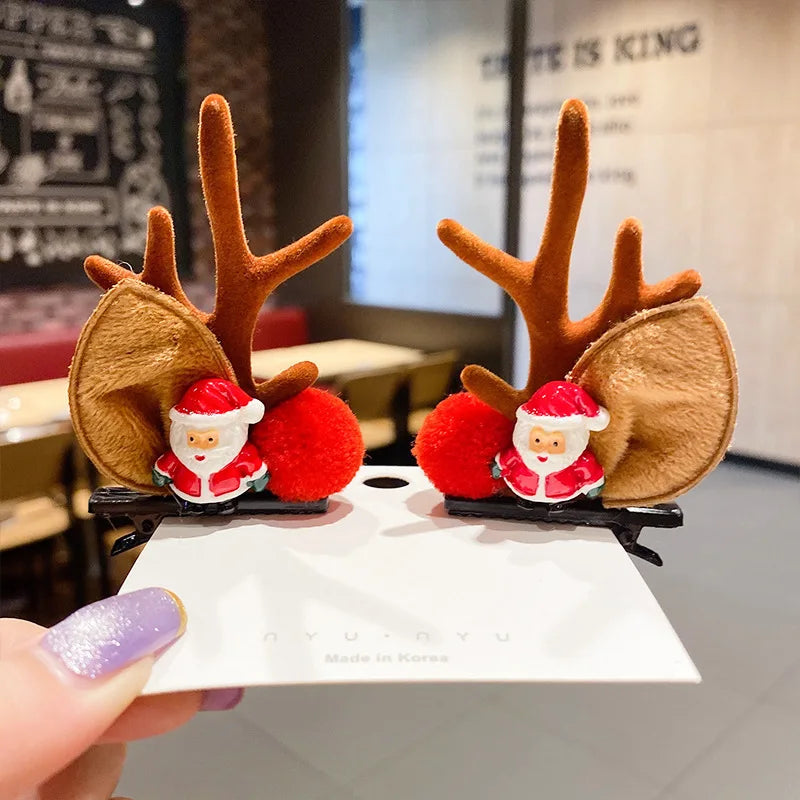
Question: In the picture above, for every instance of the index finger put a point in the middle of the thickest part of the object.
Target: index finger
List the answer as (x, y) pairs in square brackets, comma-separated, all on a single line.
[(61, 693)]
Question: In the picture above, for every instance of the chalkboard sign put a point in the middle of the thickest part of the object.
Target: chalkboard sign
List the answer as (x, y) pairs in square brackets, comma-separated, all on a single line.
[(91, 130)]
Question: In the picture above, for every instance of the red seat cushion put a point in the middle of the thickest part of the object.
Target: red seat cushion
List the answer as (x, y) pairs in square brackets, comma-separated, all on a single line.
[(280, 327), (37, 355), (41, 355)]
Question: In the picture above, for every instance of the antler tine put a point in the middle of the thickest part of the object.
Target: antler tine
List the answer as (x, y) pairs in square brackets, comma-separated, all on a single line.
[(677, 287), (506, 271), (159, 270), (105, 273), (295, 257), (624, 286), (220, 186), (626, 271), (493, 390), (160, 267), (550, 278), (627, 290), (512, 275)]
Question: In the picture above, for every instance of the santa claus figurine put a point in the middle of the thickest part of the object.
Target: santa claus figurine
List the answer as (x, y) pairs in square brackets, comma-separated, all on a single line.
[(550, 460), (211, 461)]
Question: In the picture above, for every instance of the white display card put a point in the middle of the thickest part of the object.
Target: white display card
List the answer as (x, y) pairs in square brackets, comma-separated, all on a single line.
[(387, 587)]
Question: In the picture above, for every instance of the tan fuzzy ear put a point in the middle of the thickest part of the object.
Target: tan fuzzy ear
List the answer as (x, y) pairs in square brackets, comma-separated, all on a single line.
[(668, 378), (137, 354)]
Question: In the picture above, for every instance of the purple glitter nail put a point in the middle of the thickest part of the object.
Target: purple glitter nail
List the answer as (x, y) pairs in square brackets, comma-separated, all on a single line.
[(112, 633)]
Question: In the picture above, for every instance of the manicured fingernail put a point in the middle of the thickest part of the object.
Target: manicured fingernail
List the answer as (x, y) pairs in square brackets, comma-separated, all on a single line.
[(221, 699), (112, 633)]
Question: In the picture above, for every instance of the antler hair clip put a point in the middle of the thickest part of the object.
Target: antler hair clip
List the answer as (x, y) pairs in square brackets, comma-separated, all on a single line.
[(636, 401), (146, 347)]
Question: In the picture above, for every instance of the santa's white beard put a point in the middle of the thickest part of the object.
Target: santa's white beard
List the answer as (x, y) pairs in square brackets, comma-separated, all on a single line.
[(232, 439), (575, 440)]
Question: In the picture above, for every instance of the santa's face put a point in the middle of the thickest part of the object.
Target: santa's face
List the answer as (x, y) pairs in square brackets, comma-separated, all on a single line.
[(206, 450), (545, 449)]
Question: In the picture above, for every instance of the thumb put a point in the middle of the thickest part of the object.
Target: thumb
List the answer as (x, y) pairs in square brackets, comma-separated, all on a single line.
[(60, 693)]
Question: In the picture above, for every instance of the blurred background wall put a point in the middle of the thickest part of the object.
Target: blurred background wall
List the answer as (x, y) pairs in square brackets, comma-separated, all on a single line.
[(227, 52)]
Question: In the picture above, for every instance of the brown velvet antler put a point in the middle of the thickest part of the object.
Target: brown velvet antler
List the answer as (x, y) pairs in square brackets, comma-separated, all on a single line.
[(540, 287), (244, 280), (159, 270)]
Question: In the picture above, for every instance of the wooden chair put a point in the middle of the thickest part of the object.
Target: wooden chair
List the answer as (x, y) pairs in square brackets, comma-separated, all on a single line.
[(37, 472), (429, 382), (374, 398)]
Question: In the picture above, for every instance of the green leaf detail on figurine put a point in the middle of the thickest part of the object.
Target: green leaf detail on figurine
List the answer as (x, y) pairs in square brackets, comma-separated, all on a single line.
[(549, 460), (259, 484), (159, 479), (211, 460)]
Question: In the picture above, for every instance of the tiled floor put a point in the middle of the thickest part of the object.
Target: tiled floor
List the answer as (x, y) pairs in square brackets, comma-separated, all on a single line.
[(730, 586)]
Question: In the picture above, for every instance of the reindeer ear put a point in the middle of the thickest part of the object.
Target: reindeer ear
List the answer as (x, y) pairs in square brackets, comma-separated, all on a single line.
[(138, 352), (668, 378)]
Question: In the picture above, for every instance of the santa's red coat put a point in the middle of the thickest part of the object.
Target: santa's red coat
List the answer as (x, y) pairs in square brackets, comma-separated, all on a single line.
[(583, 475), (227, 483)]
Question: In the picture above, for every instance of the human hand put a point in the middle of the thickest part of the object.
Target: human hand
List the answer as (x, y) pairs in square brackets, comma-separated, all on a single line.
[(69, 696)]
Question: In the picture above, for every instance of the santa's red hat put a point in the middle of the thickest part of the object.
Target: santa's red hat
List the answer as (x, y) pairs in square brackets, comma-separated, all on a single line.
[(562, 404), (217, 401)]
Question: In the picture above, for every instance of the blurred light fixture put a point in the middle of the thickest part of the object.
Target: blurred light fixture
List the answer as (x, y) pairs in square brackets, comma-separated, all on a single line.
[(135, 3)]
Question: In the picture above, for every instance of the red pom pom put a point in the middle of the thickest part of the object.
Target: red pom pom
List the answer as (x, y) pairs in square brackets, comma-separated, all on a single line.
[(312, 445), (457, 443)]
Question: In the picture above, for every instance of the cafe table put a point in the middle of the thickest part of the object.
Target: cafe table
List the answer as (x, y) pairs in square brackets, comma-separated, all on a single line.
[(28, 405), (336, 358), (25, 405)]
